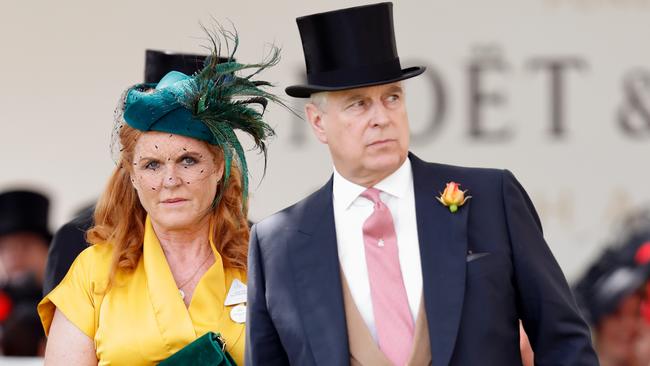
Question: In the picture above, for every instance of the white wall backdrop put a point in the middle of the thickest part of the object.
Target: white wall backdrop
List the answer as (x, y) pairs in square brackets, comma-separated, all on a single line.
[(558, 91)]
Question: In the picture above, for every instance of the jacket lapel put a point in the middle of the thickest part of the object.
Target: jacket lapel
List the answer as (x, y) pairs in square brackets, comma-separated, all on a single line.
[(314, 260), (443, 248)]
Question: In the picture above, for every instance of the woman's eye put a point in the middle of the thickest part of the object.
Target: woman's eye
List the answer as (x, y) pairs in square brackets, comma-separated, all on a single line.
[(152, 165), (188, 161)]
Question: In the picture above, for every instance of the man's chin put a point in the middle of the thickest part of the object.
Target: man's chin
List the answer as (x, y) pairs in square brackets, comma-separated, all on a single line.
[(387, 164)]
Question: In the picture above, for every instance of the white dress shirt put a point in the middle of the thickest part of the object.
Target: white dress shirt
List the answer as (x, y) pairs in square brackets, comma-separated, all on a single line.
[(351, 211)]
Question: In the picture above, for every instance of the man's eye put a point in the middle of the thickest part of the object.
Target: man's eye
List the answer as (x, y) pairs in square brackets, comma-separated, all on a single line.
[(393, 98), (357, 104), (152, 165)]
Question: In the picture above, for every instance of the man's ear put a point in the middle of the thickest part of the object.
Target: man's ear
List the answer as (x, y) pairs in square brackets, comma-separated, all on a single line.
[(315, 118)]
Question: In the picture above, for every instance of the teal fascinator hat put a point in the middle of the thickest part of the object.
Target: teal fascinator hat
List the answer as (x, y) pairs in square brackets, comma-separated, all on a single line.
[(161, 107), (209, 105)]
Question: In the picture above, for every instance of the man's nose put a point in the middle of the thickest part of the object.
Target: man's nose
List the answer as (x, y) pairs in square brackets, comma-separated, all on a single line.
[(380, 115)]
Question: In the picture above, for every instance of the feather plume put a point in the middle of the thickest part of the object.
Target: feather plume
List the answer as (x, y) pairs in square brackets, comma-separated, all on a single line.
[(225, 97)]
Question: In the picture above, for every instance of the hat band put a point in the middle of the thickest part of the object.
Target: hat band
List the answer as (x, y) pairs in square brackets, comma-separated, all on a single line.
[(357, 75)]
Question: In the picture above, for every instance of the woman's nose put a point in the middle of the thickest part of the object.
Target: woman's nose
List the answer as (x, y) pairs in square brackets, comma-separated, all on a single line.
[(171, 177)]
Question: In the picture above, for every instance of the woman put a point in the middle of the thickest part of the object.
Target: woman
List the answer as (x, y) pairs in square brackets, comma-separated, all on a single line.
[(170, 240)]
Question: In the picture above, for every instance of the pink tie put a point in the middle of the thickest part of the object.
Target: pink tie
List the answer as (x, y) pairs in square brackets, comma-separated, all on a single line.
[(393, 318)]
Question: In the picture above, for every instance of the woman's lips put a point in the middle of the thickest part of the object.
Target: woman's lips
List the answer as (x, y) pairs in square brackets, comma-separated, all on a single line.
[(174, 200)]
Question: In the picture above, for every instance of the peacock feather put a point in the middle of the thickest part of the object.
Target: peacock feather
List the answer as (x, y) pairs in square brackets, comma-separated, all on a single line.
[(225, 97)]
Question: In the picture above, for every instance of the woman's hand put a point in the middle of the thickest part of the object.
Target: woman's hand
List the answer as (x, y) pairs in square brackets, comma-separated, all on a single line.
[(67, 345)]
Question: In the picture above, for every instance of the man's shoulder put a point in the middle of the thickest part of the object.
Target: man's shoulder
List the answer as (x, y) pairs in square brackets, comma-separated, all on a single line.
[(460, 174), (469, 170), (290, 216), (487, 186)]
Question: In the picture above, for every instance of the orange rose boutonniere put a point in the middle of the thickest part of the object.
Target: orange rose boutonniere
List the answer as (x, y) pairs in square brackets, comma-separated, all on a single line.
[(453, 197)]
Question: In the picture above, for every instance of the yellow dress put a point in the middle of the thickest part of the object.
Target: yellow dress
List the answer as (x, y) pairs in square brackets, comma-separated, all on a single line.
[(142, 319)]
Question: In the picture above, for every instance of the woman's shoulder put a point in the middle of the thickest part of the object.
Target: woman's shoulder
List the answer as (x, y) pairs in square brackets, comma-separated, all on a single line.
[(96, 258), (81, 289), (97, 253)]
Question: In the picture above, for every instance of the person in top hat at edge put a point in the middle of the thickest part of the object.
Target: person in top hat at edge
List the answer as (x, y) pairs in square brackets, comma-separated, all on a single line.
[(24, 236), (24, 241), (70, 239), (398, 261)]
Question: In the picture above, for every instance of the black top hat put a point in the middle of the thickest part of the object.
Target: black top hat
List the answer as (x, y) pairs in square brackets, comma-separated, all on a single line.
[(158, 63), (350, 48), (24, 211)]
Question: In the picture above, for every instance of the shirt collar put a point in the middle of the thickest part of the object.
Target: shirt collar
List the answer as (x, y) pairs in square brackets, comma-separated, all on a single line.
[(396, 184)]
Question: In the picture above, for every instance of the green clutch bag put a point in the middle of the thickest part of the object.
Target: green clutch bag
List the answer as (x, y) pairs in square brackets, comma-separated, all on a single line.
[(207, 350)]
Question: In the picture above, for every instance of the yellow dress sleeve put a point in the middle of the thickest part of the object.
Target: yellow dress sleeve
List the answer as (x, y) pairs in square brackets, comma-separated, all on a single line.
[(79, 294)]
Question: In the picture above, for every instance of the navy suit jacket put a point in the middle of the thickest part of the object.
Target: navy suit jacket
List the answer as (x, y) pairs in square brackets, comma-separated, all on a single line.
[(473, 302)]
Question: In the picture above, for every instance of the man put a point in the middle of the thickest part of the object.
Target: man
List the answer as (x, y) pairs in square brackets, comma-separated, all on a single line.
[(24, 240), (373, 269), (24, 236)]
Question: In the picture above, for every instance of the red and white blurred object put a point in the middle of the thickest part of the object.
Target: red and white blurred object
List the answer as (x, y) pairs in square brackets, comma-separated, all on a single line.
[(5, 306), (643, 257)]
